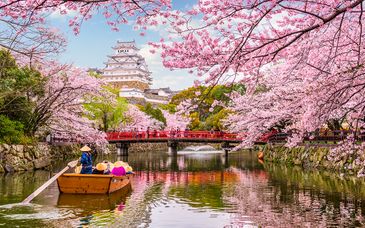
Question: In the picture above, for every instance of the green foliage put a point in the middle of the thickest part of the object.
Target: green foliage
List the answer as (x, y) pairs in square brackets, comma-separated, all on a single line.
[(171, 108), (18, 81), (18, 85), (215, 121), (208, 94), (155, 113), (107, 110), (204, 117), (195, 123), (11, 131)]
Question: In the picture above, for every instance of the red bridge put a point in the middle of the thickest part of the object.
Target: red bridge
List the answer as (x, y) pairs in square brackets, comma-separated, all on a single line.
[(164, 136), (172, 138)]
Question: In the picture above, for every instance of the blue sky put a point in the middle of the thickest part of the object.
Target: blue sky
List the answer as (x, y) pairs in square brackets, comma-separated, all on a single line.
[(90, 48)]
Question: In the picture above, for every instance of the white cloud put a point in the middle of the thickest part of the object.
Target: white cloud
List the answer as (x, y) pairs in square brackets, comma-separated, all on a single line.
[(163, 77), (57, 15)]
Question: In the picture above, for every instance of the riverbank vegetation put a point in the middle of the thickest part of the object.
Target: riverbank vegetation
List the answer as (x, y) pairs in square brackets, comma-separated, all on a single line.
[(17, 87), (36, 101)]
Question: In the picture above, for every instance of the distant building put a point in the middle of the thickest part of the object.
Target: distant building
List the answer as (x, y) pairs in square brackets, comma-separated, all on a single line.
[(127, 70)]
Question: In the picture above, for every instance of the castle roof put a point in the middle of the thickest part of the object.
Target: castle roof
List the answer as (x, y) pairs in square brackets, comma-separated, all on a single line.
[(166, 90), (126, 44)]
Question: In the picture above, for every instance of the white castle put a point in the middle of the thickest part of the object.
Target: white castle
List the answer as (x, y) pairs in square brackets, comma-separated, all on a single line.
[(127, 70)]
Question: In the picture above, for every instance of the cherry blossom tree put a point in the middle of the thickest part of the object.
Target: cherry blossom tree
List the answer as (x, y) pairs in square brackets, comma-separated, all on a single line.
[(29, 40), (308, 55), (25, 32), (60, 111), (116, 12), (136, 119), (175, 120)]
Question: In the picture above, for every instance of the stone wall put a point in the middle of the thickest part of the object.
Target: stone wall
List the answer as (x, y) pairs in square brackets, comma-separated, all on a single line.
[(146, 147), (68, 151), (315, 157), (140, 147), (32, 157), (131, 84), (157, 97)]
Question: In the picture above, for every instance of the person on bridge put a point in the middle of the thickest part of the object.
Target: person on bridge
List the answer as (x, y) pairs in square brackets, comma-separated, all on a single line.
[(177, 132), (186, 132), (86, 160), (135, 133), (148, 132), (172, 132)]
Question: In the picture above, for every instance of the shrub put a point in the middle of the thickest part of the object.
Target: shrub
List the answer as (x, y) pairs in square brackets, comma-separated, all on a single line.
[(11, 131)]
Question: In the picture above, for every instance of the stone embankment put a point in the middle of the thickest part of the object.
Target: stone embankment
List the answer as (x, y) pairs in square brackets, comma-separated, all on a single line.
[(319, 157), (15, 158), (31, 157), (146, 147)]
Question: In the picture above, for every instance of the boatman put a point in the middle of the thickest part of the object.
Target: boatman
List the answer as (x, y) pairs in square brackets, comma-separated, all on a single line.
[(86, 161)]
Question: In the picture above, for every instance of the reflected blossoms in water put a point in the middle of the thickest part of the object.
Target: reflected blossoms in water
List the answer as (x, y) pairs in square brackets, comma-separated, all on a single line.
[(194, 190)]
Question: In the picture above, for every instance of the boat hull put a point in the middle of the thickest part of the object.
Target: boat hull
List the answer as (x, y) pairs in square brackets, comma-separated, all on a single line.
[(92, 183)]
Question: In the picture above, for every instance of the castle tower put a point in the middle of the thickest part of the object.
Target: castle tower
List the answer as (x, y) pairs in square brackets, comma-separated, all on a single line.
[(127, 70)]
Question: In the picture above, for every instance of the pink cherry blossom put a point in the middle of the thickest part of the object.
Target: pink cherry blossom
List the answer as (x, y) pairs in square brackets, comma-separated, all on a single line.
[(60, 110), (136, 119), (301, 61), (175, 120)]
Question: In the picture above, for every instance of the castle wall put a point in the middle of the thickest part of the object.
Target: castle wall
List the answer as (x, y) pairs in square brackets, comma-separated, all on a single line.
[(131, 84)]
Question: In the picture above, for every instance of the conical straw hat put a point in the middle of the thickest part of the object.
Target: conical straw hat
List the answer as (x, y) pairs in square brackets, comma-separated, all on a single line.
[(109, 165), (85, 148), (129, 169), (101, 166), (118, 164)]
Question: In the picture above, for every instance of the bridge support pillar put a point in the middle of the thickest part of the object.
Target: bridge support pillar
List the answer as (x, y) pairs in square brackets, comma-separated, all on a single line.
[(226, 148), (122, 149), (172, 145)]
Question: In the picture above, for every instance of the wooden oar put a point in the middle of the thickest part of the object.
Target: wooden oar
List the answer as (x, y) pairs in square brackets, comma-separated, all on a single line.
[(50, 181)]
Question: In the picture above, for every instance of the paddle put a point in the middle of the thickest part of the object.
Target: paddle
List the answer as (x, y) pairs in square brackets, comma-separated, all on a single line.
[(50, 181)]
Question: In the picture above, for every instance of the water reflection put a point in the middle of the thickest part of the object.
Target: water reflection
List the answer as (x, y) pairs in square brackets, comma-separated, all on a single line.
[(195, 190), (92, 203), (13, 188)]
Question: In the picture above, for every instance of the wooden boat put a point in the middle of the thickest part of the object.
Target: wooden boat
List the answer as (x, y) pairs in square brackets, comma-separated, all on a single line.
[(92, 183), (86, 203)]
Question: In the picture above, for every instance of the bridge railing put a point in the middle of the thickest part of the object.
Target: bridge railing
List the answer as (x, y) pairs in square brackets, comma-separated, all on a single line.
[(170, 134)]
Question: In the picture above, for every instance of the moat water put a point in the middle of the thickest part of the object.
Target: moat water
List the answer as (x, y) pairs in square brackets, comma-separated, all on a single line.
[(193, 190)]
